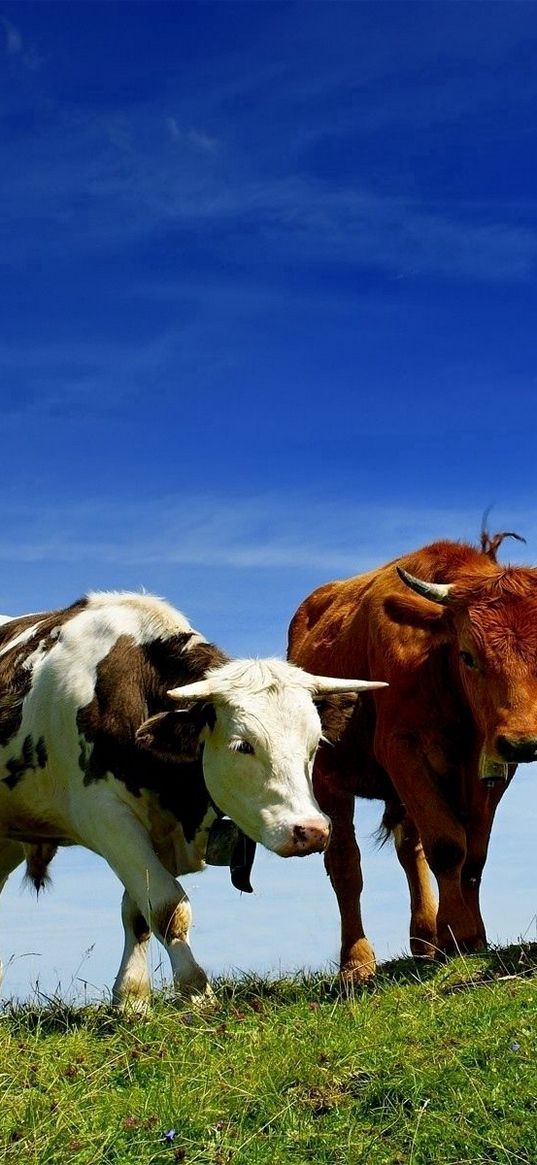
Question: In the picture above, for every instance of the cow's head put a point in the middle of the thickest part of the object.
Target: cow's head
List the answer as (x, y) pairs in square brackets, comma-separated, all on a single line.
[(259, 722), (491, 621)]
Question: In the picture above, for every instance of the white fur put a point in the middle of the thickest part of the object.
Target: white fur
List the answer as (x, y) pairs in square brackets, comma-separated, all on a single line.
[(21, 638), (155, 616)]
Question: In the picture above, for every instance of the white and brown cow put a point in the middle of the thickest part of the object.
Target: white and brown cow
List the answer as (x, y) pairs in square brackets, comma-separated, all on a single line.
[(123, 730)]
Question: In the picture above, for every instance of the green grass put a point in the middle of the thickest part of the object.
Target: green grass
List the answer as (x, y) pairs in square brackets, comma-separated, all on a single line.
[(433, 1064)]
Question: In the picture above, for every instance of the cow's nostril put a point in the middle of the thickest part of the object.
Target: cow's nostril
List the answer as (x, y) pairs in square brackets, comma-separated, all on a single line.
[(517, 749), (311, 837)]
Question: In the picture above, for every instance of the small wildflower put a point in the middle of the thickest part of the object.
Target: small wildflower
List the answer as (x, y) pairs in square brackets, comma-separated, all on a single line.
[(169, 1136), (514, 1046)]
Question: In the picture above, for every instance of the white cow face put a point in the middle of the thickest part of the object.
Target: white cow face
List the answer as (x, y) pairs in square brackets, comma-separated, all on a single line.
[(260, 729), (257, 763)]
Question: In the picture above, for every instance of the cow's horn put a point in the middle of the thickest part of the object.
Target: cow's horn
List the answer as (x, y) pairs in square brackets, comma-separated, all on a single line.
[(326, 685), (200, 690), (436, 592)]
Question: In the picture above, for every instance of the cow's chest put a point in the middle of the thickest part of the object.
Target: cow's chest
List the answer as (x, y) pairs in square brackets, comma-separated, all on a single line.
[(180, 855)]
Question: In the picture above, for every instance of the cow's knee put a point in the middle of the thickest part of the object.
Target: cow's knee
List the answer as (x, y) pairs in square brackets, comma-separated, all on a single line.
[(171, 923), (445, 855), (472, 873)]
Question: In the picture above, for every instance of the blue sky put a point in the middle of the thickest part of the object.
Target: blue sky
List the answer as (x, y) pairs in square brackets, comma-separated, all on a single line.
[(269, 301)]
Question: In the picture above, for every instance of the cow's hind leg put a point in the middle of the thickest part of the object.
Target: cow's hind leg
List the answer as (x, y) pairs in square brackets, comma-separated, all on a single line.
[(423, 903), (11, 856), (132, 987)]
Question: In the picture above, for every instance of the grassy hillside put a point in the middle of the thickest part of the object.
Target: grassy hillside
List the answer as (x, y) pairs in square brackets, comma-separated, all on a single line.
[(431, 1065)]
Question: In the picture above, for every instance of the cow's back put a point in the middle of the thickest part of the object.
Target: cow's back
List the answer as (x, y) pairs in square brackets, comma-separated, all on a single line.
[(326, 633)]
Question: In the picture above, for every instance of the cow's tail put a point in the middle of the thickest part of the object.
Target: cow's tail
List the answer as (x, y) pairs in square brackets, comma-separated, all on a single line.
[(392, 817), (38, 859)]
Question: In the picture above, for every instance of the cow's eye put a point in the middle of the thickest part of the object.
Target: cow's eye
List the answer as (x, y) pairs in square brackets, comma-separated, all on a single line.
[(243, 746), (468, 659)]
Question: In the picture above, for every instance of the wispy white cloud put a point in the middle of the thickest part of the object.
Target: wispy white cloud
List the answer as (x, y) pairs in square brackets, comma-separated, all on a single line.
[(57, 378), (145, 187), (265, 532), (195, 137), (12, 38), (203, 141), (173, 129), (15, 46)]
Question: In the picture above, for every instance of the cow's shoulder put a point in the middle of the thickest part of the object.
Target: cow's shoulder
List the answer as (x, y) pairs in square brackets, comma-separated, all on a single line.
[(132, 681), (146, 648), (178, 659)]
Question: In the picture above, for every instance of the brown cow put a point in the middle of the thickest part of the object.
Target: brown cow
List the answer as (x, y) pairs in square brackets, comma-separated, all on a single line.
[(455, 636)]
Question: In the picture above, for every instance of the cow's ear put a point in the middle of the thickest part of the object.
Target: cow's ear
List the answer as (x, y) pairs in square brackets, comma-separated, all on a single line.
[(335, 711), (411, 611), (176, 735)]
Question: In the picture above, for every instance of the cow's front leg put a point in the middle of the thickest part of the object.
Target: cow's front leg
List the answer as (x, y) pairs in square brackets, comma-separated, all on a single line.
[(482, 802), (11, 856), (116, 834), (132, 987), (442, 835), (343, 866)]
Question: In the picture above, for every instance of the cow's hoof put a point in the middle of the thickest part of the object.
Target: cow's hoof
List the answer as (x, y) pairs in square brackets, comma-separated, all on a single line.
[(357, 970), (355, 976), (450, 945), (206, 1001), (131, 994), (423, 946), (132, 1005), (194, 997)]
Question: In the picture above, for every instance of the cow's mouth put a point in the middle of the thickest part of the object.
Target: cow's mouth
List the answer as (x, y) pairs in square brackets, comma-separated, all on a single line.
[(516, 750)]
